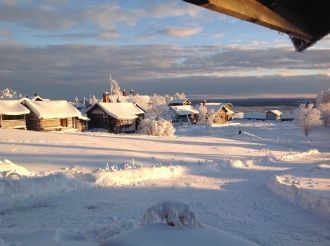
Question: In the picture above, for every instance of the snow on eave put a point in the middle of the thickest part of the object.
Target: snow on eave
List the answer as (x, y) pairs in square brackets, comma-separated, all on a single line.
[(119, 111), (53, 109), (179, 101), (184, 109), (276, 112), (12, 107)]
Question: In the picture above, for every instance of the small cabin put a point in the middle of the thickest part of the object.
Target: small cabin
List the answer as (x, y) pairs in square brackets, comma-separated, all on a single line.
[(180, 102), (273, 115), (184, 114), (115, 117), (54, 116), (255, 116), (13, 114), (223, 112)]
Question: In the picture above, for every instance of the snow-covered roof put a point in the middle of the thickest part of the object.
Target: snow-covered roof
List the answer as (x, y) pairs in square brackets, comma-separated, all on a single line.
[(12, 107), (184, 110), (276, 112), (261, 116), (179, 101), (53, 109), (215, 107), (39, 98), (124, 110)]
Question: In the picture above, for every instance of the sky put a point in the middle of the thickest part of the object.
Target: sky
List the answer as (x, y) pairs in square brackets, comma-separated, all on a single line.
[(67, 48)]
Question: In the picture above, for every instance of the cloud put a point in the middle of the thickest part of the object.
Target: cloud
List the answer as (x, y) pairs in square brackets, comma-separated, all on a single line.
[(181, 32), (68, 70), (4, 32)]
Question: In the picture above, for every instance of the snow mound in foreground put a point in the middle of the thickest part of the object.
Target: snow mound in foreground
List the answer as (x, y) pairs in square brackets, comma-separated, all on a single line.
[(298, 155), (8, 166), (309, 190), (163, 235), (175, 213)]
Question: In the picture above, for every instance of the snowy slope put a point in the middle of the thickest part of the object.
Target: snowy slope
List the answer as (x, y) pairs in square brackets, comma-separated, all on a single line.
[(95, 186)]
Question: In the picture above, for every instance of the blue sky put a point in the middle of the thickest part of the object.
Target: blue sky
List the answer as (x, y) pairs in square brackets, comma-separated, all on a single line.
[(150, 46)]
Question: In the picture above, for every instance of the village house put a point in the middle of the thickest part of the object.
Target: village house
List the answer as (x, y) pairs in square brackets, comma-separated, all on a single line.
[(222, 112), (179, 102), (184, 114), (54, 116), (13, 114), (273, 115), (115, 117)]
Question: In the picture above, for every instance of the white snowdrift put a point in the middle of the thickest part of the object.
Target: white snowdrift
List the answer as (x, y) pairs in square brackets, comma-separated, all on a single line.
[(164, 235), (71, 179), (309, 190), (39, 186), (138, 175)]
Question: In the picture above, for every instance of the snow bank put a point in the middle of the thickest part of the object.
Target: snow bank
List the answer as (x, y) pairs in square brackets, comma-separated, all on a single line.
[(163, 235), (309, 190), (298, 155), (136, 176), (39, 186), (10, 167), (241, 163)]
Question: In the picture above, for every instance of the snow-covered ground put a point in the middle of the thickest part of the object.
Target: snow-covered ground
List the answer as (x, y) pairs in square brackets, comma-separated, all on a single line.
[(269, 185)]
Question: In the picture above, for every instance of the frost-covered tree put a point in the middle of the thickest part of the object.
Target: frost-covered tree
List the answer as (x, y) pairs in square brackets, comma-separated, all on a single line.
[(157, 106), (92, 100), (325, 113), (323, 104), (143, 101), (9, 94), (115, 88), (308, 117), (156, 127), (202, 113), (323, 97)]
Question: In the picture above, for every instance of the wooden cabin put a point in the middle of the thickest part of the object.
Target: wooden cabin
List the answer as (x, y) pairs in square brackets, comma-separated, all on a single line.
[(223, 112), (115, 117), (13, 114), (184, 114), (54, 116), (273, 115)]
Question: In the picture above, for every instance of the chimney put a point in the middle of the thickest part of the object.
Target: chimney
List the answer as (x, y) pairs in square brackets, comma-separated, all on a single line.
[(106, 97)]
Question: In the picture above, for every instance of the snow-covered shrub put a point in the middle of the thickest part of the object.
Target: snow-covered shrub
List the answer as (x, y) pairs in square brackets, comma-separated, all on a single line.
[(157, 127), (308, 117), (174, 213)]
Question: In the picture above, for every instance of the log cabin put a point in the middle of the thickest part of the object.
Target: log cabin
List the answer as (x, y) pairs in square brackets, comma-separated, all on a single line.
[(221, 112), (13, 114), (115, 117), (54, 116), (184, 114)]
